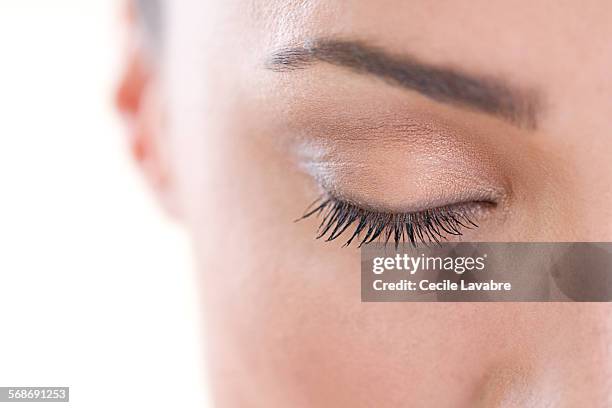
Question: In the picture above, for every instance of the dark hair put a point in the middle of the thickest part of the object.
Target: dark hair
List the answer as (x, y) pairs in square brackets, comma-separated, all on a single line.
[(150, 14)]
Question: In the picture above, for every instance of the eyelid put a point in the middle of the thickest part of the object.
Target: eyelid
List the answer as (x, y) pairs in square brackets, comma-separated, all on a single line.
[(405, 177), (421, 227)]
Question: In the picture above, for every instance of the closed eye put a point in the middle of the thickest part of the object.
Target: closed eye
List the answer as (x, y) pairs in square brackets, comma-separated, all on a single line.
[(365, 226)]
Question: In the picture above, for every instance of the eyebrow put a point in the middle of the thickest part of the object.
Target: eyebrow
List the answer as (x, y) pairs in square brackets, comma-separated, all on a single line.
[(485, 94)]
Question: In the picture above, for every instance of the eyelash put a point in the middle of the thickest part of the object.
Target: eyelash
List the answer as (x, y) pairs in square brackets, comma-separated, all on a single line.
[(421, 227)]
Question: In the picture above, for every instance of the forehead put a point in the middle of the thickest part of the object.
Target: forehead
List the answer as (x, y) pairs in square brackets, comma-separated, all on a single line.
[(563, 50), (422, 25), (525, 37)]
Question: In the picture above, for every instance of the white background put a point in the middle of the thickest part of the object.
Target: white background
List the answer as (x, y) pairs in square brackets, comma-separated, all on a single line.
[(97, 290)]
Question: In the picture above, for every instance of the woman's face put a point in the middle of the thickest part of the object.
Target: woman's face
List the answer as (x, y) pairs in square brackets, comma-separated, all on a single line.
[(504, 108)]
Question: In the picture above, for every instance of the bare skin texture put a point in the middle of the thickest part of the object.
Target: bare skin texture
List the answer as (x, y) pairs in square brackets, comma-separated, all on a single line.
[(237, 139)]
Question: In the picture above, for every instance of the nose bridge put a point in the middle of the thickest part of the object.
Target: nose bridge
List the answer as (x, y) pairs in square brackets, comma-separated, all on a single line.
[(597, 208), (590, 194), (587, 213)]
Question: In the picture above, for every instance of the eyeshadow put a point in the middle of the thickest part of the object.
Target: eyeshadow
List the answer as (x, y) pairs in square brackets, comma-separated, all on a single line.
[(401, 177)]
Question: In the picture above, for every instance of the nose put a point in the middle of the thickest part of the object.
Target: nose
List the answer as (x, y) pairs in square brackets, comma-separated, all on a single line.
[(579, 363), (566, 362)]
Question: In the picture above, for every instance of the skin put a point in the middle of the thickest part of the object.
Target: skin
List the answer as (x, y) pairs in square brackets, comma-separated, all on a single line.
[(236, 152)]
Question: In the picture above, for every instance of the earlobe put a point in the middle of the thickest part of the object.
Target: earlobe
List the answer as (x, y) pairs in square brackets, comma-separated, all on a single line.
[(139, 101)]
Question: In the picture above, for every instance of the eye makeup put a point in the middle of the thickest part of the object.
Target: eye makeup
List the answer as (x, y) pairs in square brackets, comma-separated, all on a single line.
[(394, 167), (420, 227), (414, 190)]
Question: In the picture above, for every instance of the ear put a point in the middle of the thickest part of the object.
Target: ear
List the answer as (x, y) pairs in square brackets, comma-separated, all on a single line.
[(139, 100)]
